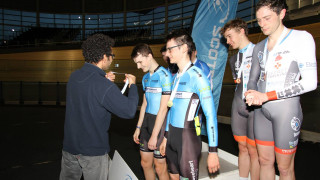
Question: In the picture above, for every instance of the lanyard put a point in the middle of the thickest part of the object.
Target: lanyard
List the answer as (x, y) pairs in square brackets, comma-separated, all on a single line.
[(173, 94), (244, 55)]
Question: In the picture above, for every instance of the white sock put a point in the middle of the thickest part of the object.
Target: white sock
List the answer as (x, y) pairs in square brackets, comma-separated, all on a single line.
[(243, 178)]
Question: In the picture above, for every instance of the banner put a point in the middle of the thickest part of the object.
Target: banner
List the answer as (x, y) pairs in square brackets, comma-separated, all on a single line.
[(211, 47)]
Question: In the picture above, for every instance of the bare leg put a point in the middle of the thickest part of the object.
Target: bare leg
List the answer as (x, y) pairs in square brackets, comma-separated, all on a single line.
[(146, 163), (266, 160), (161, 168), (174, 176), (254, 162), (243, 160), (286, 166)]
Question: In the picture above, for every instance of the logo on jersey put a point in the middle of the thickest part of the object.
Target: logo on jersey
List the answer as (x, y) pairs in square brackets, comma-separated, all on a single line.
[(260, 57), (293, 144), (277, 66), (145, 80), (278, 58), (155, 81), (295, 124)]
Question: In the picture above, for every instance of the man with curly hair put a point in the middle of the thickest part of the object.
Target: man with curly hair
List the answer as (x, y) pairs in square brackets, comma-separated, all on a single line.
[(91, 98)]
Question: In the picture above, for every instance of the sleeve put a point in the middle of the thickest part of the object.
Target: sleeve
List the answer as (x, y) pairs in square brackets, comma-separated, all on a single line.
[(167, 124), (307, 64), (207, 103), (120, 105), (166, 81), (255, 68), (143, 84)]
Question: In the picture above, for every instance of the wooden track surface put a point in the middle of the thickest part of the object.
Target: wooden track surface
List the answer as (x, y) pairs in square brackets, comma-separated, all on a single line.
[(56, 66)]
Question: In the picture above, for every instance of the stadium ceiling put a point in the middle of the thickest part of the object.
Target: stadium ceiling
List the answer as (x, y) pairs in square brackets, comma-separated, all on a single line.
[(82, 6)]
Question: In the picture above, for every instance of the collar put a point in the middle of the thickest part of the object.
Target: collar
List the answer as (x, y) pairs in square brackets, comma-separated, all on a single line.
[(95, 68)]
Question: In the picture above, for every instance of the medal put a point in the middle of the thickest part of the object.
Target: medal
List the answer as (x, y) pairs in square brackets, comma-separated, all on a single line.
[(170, 103)]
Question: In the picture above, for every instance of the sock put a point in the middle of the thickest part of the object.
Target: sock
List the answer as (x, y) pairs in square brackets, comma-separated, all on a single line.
[(243, 178)]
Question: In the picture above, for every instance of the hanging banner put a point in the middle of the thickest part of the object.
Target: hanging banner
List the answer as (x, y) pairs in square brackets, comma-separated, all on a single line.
[(211, 47)]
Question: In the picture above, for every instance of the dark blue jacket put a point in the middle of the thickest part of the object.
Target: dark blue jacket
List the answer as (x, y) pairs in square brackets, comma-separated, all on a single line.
[(91, 98)]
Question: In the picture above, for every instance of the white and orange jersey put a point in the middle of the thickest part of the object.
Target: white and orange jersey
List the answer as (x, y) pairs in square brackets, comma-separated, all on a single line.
[(289, 69)]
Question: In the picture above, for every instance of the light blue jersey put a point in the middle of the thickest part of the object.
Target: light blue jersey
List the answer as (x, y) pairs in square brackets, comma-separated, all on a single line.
[(193, 90), (154, 86)]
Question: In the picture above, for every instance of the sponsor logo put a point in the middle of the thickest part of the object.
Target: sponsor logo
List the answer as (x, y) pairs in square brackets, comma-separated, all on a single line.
[(260, 56), (274, 74), (204, 89), (192, 170), (288, 151), (278, 58), (166, 84), (277, 66), (301, 65), (295, 124), (309, 64), (145, 80), (293, 144), (154, 81), (183, 83), (156, 152)]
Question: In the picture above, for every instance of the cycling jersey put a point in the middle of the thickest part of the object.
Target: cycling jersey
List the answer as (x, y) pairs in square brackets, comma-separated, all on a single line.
[(241, 65), (290, 69), (155, 85), (194, 82), (285, 72)]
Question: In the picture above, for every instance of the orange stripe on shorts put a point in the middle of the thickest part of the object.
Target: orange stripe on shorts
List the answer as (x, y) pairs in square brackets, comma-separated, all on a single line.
[(240, 138), (251, 142), (285, 151), (265, 143)]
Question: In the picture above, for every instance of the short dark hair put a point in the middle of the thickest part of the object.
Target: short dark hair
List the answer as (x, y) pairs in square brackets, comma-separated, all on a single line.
[(193, 47), (96, 46), (275, 5), (163, 49), (181, 36), (141, 48), (236, 24)]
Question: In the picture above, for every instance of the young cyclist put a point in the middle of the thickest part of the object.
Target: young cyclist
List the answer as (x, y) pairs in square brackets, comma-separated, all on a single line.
[(190, 89), (157, 89), (283, 67), (236, 33)]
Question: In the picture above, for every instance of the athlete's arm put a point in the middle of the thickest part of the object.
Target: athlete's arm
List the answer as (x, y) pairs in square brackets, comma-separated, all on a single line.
[(307, 65), (252, 95), (207, 103), (255, 70), (163, 147), (140, 121), (159, 121), (306, 61), (213, 162)]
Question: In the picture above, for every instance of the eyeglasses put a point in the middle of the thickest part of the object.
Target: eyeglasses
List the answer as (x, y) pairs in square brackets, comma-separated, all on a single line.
[(113, 55), (170, 48)]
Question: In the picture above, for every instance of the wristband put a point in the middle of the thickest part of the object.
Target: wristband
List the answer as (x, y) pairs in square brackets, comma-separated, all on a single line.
[(138, 127)]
